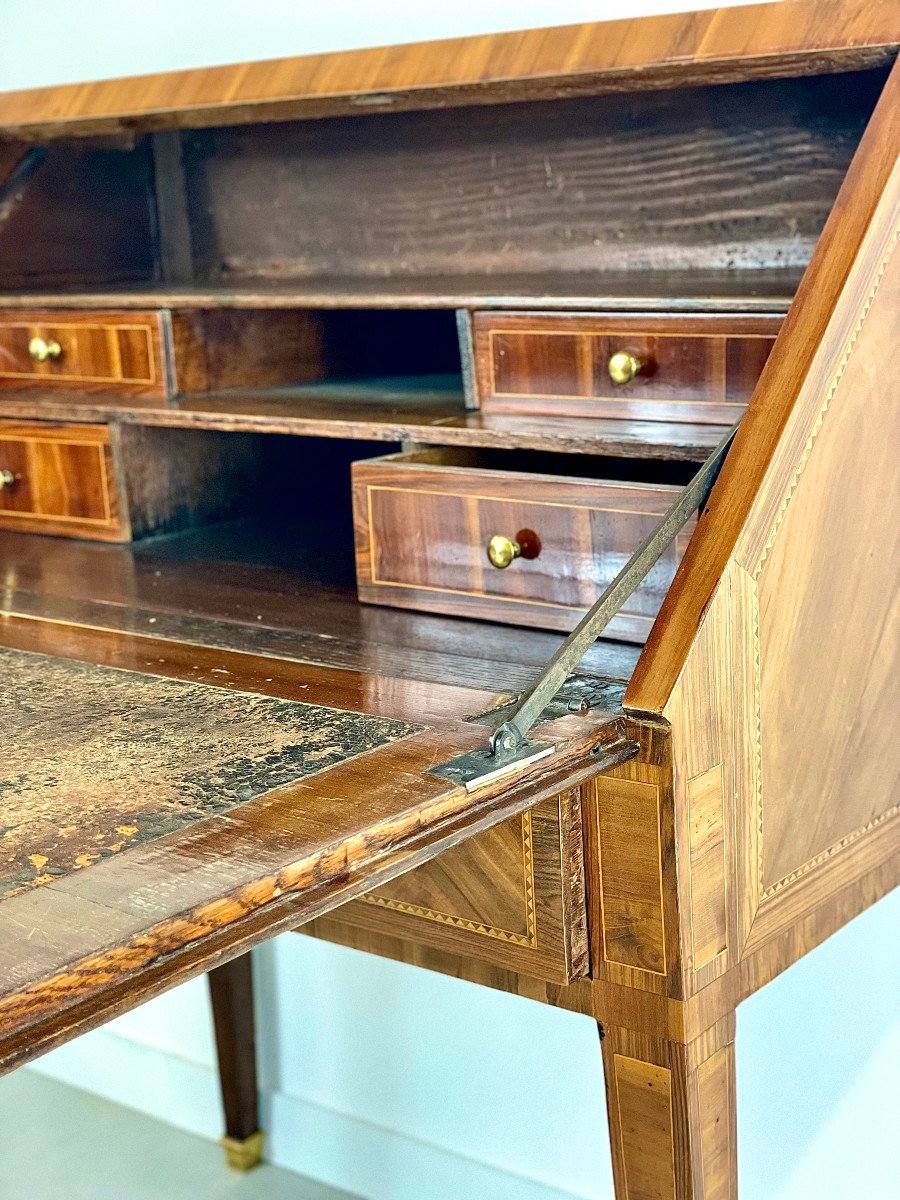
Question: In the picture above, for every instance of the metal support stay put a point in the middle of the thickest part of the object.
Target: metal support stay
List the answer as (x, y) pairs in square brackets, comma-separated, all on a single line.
[(509, 745)]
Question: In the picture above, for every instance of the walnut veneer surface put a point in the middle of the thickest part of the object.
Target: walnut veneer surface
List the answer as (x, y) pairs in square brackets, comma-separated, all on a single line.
[(793, 37), (423, 522), (97, 351), (681, 844), (60, 479), (78, 948), (556, 363)]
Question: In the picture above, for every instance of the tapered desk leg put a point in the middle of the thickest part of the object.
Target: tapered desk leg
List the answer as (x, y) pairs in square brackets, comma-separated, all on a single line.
[(672, 1114), (231, 992)]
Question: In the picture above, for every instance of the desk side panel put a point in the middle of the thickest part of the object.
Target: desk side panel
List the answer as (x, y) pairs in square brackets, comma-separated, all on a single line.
[(785, 759)]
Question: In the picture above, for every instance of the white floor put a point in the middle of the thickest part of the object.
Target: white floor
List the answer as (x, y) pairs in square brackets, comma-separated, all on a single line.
[(58, 1141)]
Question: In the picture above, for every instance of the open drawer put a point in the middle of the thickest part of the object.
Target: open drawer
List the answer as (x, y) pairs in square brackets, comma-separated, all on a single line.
[(447, 531)]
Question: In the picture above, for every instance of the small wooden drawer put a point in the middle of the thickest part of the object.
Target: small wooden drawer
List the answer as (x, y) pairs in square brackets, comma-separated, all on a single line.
[(423, 523), (697, 369), (84, 351), (512, 896), (58, 479)]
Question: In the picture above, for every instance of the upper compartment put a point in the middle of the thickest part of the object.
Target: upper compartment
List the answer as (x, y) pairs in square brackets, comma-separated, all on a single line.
[(708, 197)]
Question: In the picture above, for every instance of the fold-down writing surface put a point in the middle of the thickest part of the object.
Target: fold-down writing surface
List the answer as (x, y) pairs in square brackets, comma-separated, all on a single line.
[(94, 942), (96, 759)]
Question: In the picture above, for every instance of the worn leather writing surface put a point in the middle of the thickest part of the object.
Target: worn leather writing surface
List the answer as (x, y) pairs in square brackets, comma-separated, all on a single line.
[(95, 759)]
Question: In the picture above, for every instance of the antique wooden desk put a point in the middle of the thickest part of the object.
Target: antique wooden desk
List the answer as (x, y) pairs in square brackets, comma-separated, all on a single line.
[(332, 392)]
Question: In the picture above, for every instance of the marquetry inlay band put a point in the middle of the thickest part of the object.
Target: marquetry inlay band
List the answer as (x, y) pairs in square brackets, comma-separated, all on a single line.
[(513, 937), (766, 893)]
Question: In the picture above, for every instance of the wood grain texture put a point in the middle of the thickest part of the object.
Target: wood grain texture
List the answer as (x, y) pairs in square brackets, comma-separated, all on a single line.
[(696, 290), (796, 37), (423, 522), (643, 1094), (214, 349), (821, 556), (274, 601), (101, 351), (64, 481), (84, 218), (692, 369), (383, 411), (672, 1114), (513, 897), (564, 187), (809, 345), (709, 895), (575, 996), (231, 998), (799, 634), (173, 230), (614, 1004), (114, 483), (134, 757), (80, 948), (173, 479), (631, 874), (633, 904)]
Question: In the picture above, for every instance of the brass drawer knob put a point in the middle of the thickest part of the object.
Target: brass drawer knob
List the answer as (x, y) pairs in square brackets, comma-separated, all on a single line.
[(7, 479), (623, 367), (501, 551), (41, 349)]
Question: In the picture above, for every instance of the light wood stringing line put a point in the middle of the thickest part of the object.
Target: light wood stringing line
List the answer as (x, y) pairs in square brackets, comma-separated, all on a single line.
[(583, 338), (850, 838), (529, 939), (106, 519), (109, 330)]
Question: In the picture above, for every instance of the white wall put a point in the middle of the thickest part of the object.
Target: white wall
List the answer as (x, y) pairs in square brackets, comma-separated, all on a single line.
[(58, 41), (389, 1081), (402, 1085)]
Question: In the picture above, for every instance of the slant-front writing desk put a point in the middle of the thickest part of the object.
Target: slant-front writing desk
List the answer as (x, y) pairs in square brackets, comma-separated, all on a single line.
[(332, 392)]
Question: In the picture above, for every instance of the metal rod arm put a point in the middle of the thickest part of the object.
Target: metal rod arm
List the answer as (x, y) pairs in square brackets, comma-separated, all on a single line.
[(512, 733)]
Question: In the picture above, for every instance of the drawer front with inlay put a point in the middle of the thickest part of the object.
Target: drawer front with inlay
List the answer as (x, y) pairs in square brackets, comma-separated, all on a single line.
[(523, 548), (58, 479), (698, 369), (512, 896), (83, 351)]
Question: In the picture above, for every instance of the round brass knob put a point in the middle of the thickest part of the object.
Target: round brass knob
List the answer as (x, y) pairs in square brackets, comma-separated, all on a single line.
[(623, 367), (7, 479), (41, 349), (501, 551)]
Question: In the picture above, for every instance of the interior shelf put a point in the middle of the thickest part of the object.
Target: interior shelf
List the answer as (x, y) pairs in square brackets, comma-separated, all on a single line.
[(763, 290), (263, 589), (398, 410)]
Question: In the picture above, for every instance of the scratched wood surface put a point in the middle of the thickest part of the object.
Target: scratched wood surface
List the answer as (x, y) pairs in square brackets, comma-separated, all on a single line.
[(96, 759), (94, 942)]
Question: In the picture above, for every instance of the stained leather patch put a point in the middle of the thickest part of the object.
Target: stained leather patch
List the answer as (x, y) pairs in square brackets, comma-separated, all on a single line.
[(95, 759)]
